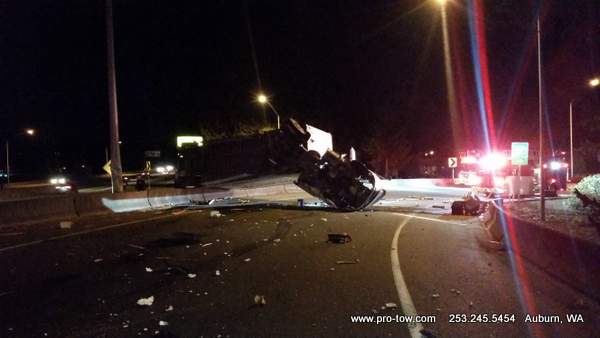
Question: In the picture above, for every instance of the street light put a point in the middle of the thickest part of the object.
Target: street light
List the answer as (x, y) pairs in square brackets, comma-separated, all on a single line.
[(592, 83), (28, 131), (441, 2), (264, 100)]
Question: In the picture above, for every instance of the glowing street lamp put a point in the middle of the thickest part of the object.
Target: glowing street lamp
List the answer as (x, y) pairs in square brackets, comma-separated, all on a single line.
[(595, 82), (264, 100), (28, 131)]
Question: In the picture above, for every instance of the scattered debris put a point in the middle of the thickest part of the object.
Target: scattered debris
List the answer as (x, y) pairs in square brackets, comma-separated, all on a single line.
[(191, 275), (260, 300), (277, 240), (207, 244), (145, 301), (65, 224), (162, 323), (149, 269), (217, 273), (324, 219), (391, 305), (215, 213), (247, 260), (136, 246), (332, 269), (435, 295), (470, 304), (339, 238), (347, 262), (169, 308), (98, 260)]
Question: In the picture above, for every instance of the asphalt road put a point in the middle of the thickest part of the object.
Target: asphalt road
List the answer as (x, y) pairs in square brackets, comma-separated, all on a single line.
[(204, 273)]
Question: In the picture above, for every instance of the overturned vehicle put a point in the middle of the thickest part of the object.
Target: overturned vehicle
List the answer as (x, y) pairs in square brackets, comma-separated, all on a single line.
[(340, 183)]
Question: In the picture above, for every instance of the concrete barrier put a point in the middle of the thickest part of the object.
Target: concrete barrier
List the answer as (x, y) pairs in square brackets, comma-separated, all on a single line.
[(71, 205)]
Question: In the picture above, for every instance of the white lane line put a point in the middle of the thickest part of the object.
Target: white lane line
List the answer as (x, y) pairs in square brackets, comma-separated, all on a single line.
[(84, 232), (408, 307), (434, 220)]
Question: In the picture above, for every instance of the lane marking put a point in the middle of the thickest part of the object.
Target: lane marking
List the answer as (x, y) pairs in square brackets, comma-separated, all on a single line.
[(84, 232), (408, 307), (434, 220)]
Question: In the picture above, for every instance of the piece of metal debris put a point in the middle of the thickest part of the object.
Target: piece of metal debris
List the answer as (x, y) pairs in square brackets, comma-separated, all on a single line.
[(149, 269), (163, 323), (260, 300), (391, 305), (342, 238), (435, 295), (65, 224), (217, 273), (191, 275), (347, 262), (215, 213), (98, 260), (169, 308), (145, 301)]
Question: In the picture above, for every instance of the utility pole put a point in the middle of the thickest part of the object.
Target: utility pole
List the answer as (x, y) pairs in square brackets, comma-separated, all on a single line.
[(7, 164), (115, 152), (541, 121)]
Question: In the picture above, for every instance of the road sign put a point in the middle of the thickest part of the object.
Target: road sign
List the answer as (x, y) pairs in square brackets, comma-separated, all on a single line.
[(106, 168), (452, 162), (152, 153), (519, 154), (148, 166)]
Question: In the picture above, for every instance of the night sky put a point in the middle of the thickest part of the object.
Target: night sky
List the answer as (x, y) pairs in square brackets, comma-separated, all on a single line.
[(345, 66)]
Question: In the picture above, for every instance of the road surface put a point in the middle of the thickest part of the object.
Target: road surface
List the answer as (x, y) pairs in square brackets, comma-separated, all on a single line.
[(258, 271)]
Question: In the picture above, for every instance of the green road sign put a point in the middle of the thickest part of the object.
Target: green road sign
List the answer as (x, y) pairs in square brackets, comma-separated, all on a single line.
[(519, 154)]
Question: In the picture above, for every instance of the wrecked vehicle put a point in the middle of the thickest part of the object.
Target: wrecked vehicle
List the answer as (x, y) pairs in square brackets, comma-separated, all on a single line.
[(340, 183)]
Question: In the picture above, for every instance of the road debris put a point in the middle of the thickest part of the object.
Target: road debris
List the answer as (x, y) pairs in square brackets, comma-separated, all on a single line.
[(191, 275), (163, 323), (435, 295), (216, 213), (98, 260), (260, 300), (149, 269), (247, 260), (207, 244), (169, 308), (137, 246), (145, 301), (347, 262), (342, 238), (324, 219), (391, 305), (66, 224), (217, 273), (277, 240)]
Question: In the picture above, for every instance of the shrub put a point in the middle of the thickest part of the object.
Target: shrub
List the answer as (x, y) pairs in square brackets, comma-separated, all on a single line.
[(587, 199)]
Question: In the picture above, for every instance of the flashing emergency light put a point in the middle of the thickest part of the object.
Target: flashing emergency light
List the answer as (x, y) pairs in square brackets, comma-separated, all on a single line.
[(493, 161), (554, 165)]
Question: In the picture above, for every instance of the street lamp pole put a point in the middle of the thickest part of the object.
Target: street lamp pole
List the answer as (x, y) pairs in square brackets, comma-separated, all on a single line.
[(7, 164), (263, 99), (276, 114), (571, 134), (541, 123)]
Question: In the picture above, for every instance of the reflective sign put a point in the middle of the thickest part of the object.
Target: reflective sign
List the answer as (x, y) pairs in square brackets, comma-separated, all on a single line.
[(519, 154)]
